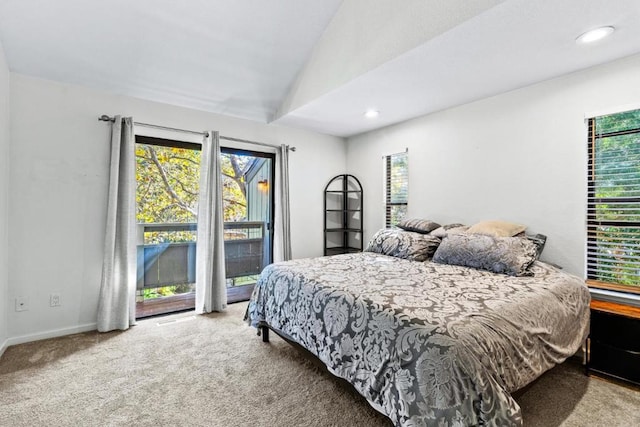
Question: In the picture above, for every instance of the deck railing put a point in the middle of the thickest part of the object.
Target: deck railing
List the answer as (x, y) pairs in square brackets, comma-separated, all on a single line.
[(173, 262)]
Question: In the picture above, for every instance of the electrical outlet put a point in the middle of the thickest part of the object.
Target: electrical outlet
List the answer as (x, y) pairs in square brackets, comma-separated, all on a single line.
[(22, 304), (54, 300)]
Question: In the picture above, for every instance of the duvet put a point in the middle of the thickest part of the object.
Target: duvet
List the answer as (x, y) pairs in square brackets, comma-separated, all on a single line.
[(426, 344)]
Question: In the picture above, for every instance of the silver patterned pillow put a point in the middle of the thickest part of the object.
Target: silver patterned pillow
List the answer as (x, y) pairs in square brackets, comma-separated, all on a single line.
[(403, 244), (539, 240), (506, 255), (449, 228), (423, 226)]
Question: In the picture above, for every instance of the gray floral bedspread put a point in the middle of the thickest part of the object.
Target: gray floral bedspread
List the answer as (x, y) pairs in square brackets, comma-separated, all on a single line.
[(426, 344)]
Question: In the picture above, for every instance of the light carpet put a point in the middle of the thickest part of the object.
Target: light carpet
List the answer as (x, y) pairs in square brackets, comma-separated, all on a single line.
[(213, 370)]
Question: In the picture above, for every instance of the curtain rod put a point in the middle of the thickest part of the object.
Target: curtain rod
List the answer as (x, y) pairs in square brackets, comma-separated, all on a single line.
[(105, 118), (228, 138)]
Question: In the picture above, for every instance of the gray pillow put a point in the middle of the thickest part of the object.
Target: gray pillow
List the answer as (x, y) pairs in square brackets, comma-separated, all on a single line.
[(403, 244), (506, 255), (539, 240), (423, 226), (449, 228)]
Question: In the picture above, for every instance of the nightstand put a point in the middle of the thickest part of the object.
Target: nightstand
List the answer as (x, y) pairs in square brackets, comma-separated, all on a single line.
[(613, 346)]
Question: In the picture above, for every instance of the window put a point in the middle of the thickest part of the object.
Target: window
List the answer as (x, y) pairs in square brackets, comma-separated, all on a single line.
[(613, 201), (396, 187)]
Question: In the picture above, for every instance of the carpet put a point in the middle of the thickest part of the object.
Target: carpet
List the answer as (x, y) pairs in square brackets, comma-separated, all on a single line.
[(213, 370)]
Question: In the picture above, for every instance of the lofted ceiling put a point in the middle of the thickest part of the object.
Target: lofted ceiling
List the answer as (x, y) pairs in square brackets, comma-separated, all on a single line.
[(312, 64), (233, 57)]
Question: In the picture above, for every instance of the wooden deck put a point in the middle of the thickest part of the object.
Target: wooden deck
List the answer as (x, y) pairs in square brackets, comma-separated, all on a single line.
[(184, 302)]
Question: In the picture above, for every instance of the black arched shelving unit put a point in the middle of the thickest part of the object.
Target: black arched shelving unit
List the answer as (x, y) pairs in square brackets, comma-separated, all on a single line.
[(343, 215)]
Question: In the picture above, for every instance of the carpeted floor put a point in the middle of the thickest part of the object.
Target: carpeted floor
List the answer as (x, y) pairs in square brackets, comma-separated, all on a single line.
[(214, 371)]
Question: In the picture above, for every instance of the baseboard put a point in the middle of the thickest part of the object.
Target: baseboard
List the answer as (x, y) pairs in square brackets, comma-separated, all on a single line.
[(3, 347), (54, 333)]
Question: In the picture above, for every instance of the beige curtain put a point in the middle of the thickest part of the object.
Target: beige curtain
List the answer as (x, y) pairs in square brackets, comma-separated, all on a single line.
[(116, 307), (211, 289)]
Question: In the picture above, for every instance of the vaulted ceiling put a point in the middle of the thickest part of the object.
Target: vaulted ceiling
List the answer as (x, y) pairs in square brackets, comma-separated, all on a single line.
[(312, 64)]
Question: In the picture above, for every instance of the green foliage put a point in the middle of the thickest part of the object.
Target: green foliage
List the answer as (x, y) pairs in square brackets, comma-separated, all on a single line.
[(155, 237), (617, 122), (167, 184), (398, 176), (166, 291), (168, 180), (244, 280), (616, 185), (234, 187), (397, 213)]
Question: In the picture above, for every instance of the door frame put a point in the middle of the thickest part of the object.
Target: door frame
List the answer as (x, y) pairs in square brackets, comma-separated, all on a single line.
[(272, 157)]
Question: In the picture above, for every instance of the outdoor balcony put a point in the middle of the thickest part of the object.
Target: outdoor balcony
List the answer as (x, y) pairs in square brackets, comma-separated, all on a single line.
[(166, 264)]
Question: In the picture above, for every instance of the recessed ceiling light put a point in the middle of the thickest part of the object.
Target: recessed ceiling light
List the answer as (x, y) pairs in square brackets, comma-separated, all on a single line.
[(595, 35), (370, 114)]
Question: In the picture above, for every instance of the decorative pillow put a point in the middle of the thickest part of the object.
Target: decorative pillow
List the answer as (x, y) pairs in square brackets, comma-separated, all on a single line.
[(422, 226), (539, 240), (497, 228), (507, 255), (403, 244), (449, 228)]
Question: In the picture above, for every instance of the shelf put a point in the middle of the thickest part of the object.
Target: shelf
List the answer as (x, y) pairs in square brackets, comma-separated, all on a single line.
[(613, 347), (343, 215), (338, 251)]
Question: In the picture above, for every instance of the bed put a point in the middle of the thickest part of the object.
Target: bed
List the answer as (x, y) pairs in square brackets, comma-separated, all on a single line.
[(426, 343)]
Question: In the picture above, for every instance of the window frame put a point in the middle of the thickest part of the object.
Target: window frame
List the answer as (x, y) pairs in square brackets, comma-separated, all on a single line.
[(387, 187), (591, 222), (272, 157)]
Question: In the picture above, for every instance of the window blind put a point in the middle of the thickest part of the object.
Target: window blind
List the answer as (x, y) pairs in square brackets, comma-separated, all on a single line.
[(613, 200), (397, 187)]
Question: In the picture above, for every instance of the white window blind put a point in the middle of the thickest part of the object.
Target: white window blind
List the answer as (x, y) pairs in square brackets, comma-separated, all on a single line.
[(613, 201), (397, 187)]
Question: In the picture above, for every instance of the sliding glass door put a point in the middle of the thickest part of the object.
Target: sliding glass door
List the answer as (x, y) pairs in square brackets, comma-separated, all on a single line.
[(167, 181), (247, 181), (167, 178)]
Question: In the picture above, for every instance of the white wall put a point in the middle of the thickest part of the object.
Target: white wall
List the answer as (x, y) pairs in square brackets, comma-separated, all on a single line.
[(519, 156), (59, 158), (4, 198)]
